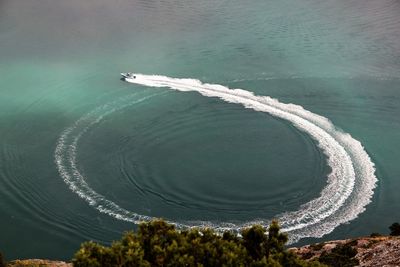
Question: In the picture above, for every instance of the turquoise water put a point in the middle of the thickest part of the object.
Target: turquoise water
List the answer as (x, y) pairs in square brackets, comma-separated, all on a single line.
[(183, 156)]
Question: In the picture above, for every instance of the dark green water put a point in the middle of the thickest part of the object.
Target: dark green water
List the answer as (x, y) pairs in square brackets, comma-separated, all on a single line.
[(177, 155)]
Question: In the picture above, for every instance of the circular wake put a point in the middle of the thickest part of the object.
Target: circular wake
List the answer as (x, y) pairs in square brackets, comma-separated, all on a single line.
[(349, 187)]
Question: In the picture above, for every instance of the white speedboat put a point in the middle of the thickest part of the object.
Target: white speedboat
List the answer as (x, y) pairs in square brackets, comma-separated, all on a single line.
[(128, 75)]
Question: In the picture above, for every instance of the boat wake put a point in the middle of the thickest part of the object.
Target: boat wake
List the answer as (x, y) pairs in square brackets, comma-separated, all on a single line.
[(349, 185)]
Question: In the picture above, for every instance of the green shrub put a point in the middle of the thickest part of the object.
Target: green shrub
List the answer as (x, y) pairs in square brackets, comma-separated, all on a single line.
[(158, 243), (126, 252), (340, 256), (317, 246), (395, 229), (2, 261), (375, 235)]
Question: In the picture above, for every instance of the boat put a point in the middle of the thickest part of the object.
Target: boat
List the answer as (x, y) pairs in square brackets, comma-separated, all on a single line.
[(128, 75)]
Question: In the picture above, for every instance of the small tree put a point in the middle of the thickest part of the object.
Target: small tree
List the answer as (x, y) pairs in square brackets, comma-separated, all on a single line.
[(276, 240), (395, 229), (254, 240), (2, 261)]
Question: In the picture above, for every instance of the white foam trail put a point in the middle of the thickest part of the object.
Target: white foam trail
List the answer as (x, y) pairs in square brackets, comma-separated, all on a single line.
[(349, 188), (65, 158), (302, 76), (314, 218)]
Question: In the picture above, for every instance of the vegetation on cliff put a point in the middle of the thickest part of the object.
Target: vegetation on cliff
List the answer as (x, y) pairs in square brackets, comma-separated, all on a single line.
[(160, 244), (2, 261), (340, 256), (395, 229)]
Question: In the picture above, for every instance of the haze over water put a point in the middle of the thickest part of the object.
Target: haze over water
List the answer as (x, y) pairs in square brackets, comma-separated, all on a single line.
[(183, 156)]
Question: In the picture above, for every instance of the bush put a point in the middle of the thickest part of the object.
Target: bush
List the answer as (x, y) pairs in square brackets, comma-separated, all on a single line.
[(340, 256), (317, 246), (159, 244), (2, 261), (126, 252), (375, 235), (395, 229)]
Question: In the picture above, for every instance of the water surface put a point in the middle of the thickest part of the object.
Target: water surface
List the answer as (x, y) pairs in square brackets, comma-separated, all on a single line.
[(182, 156)]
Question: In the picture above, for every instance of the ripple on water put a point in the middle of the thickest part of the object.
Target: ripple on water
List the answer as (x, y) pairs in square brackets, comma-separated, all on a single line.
[(198, 153)]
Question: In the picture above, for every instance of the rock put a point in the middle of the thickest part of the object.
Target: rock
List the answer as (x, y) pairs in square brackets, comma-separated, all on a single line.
[(38, 263), (371, 251)]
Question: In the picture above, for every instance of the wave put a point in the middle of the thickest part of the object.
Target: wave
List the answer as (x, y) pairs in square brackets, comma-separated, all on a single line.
[(302, 76), (349, 187)]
